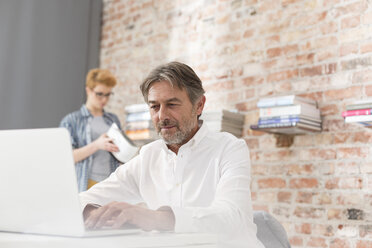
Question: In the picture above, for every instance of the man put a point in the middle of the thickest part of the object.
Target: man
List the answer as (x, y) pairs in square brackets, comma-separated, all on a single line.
[(192, 180)]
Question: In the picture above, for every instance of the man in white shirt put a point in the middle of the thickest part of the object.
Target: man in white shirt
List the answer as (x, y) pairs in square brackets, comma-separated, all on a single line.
[(191, 180)]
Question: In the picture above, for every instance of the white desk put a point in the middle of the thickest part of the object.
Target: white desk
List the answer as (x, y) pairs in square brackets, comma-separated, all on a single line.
[(142, 240)]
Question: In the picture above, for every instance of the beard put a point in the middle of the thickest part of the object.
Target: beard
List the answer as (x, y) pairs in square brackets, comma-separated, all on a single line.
[(182, 132)]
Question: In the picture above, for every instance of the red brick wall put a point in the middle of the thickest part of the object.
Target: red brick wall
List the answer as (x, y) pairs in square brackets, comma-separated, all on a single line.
[(320, 188)]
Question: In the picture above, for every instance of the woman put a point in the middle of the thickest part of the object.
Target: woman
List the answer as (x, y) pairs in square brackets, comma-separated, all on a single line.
[(88, 127)]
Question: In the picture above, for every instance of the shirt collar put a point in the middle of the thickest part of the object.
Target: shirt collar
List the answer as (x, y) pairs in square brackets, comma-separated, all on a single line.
[(199, 135), (85, 112)]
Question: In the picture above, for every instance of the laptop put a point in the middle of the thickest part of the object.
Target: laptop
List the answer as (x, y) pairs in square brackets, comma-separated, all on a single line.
[(38, 185)]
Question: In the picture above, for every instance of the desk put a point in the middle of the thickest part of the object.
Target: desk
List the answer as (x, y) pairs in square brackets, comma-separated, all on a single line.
[(142, 240)]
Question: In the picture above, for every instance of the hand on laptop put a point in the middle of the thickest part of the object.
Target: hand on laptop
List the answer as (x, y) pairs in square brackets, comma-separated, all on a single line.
[(117, 214)]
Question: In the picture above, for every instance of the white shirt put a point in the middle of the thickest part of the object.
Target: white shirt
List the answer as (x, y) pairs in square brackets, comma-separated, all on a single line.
[(207, 185)]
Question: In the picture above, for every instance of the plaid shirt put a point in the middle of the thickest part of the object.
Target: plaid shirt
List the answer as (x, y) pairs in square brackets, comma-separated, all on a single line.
[(78, 124)]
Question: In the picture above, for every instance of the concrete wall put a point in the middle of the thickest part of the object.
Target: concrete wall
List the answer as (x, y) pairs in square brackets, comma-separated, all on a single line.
[(46, 48)]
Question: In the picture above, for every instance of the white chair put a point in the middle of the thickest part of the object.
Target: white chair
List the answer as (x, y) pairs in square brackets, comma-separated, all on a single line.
[(269, 231)]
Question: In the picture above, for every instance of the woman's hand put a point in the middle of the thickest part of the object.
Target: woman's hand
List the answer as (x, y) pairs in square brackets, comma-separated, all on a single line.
[(105, 143)]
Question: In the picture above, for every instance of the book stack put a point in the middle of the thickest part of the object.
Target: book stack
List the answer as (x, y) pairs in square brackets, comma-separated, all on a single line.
[(224, 121), (360, 112), (288, 115), (138, 124)]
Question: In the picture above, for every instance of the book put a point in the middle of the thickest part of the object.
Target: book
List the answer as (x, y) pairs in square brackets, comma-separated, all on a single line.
[(219, 115), (290, 124), (283, 101), (285, 120), (219, 126), (138, 116), (358, 118), (361, 105), (142, 134), (299, 109), (133, 108), (366, 123), (127, 149), (135, 125), (303, 117), (357, 112), (223, 124)]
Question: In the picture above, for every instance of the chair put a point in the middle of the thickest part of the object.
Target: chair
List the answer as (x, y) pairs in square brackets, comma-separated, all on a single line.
[(269, 231)]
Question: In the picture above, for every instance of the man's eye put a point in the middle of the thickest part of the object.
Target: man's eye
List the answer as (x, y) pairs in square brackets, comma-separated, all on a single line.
[(154, 106)]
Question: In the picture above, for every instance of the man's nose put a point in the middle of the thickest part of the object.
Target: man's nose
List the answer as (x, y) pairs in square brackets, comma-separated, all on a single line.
[(163, 113)]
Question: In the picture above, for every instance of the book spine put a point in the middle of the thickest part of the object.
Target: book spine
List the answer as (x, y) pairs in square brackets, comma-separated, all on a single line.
[(356, 112), (284, 101), (366, 123), (140, 116), (140, 134), (266, 104), (278, 111), (359, 106), (293, 120), (138, 125), (274, 125), (277, 120), (269, 104), (301, 116), (136, 108), (309, 126), (310, 122), (302, 109), (358, 118)]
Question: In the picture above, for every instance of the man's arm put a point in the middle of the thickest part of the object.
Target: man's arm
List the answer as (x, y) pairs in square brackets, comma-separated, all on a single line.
[(120, 186), (106, 204), (117, 214)]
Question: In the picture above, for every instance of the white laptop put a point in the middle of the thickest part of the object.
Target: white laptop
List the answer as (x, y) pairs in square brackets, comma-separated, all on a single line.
[(38, 186)]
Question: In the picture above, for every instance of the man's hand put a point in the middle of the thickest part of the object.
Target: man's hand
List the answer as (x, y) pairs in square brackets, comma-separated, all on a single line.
[(105, 143), (117, 214)]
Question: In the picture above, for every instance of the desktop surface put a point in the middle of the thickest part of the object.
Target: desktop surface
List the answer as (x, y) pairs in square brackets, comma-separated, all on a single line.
[(141, 240)]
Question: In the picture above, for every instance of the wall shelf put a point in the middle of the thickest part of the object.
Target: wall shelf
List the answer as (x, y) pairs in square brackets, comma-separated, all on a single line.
[(284, 135), (287, 116)]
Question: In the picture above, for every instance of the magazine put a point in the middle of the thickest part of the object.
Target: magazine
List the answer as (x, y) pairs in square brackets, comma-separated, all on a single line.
[(127, 149)]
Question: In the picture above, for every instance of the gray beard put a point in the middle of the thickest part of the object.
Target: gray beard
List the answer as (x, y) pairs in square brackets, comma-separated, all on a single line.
[(179, 136)]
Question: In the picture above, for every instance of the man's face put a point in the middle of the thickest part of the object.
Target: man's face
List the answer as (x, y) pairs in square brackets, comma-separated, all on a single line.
[(173, 115)]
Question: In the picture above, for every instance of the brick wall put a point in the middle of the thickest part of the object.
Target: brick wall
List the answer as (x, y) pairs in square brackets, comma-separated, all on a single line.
[(320, 188)]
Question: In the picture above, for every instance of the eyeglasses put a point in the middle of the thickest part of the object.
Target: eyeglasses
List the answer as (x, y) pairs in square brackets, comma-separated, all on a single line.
[(102, 95)]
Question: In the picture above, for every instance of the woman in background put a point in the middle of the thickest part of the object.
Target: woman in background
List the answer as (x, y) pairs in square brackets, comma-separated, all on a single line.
[(88, 127)]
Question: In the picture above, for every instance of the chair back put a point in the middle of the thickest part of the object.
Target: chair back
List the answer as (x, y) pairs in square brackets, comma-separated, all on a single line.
[(269, 231)]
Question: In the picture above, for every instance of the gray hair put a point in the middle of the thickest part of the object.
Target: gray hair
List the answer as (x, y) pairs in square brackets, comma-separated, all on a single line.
[(177, 74)]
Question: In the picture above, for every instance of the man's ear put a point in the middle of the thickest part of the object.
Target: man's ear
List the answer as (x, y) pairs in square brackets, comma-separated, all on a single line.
[(200, 105)]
